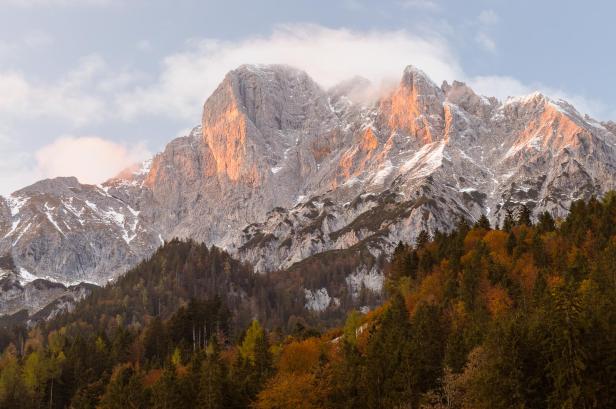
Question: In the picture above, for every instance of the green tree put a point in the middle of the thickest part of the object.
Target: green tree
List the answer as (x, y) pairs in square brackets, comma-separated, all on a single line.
[(568, 355), (388, 369), (546, 222)]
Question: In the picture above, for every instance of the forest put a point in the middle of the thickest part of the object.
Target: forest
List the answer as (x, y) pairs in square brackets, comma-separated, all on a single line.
[(521, 315)]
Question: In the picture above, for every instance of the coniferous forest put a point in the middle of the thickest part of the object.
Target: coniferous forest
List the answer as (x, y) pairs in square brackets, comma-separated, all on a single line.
[(519, 316)]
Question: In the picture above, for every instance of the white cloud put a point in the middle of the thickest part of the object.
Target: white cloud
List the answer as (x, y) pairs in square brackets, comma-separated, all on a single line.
[(485, 41), (94, 92), (488, 17), (328, 55), (90, 158), (78, 98), (33, 40), (15, 164), (503, 87)]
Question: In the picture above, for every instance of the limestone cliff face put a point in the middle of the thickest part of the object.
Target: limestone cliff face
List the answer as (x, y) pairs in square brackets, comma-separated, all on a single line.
[(415, 108), (281, 170)]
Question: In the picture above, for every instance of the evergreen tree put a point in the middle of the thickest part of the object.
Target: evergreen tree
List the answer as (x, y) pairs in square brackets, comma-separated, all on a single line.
[(483, 223), (388, 371), (125, 390), (166, 392), (211, 387), (422, 239), (524, 216), (511, 242), (546, 222), (509, 221)]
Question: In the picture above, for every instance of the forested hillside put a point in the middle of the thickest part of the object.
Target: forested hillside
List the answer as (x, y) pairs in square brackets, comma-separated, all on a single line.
[(518, 317)]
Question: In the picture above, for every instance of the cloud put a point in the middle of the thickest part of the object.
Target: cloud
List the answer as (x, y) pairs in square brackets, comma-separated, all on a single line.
[(328, 55), (90, 158), (94, 93), (16, 168), (503, 87), (485, 20), (30, 41), (488, 17), (485, 41), (79, 97)]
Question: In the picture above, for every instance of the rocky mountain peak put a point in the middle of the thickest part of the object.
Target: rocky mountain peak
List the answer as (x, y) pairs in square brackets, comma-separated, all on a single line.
[(280, 171), (257, 114), (59, 185), (415, 107)]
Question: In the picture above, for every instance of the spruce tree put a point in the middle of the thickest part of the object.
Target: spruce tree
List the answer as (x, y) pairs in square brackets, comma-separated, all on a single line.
[(422, 239), (211, 385), (509, 221), (524, 216), (483, 223), (546, 222)]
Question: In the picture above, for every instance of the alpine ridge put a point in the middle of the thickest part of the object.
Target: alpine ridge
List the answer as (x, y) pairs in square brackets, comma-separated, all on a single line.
[(282, 173)]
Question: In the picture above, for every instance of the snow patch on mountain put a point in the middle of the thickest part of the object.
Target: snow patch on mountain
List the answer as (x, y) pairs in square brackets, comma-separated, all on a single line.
[(370, 279), (317, 300)]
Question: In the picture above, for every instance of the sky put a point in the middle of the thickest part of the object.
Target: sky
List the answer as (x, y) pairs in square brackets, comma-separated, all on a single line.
[(89, 87)]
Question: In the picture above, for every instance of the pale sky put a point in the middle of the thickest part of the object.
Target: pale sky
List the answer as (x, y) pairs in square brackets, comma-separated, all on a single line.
[(88, 87)]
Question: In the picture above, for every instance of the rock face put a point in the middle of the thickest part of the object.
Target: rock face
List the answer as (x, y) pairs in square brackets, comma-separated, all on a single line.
[(35, 295), (281, 171)]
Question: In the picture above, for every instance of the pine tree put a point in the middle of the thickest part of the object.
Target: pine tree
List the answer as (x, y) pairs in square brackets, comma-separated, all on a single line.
[(524, 216), (211, 386), (546, 222), (166, 393), (483, 223), (388, 377), (422, 239), (125, 390), (511, 242), (509, 221)]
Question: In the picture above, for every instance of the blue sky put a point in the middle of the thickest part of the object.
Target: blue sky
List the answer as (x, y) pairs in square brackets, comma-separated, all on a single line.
[(89, 86)]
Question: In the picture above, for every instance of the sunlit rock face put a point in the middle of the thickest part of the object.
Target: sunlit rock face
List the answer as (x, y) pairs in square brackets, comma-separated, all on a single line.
[(415, 108), (281, 170)]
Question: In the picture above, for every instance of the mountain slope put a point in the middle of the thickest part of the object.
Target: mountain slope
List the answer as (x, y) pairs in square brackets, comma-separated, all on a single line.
[(280, 171)]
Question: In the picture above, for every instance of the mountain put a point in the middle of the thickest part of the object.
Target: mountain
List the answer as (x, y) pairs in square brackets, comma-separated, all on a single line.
[(474, 318), (288, 176)]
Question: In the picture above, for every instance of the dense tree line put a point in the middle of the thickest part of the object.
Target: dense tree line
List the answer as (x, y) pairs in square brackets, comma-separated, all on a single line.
[(523, 316)]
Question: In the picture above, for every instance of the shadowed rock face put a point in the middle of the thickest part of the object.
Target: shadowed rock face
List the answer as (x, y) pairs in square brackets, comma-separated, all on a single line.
[(281, 170)]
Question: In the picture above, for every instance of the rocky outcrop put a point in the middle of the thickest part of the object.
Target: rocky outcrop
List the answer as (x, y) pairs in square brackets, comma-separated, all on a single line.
[(280, 171)]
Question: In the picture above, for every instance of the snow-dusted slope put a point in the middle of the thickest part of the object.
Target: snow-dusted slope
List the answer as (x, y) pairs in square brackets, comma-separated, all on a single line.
[(281, 171)]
